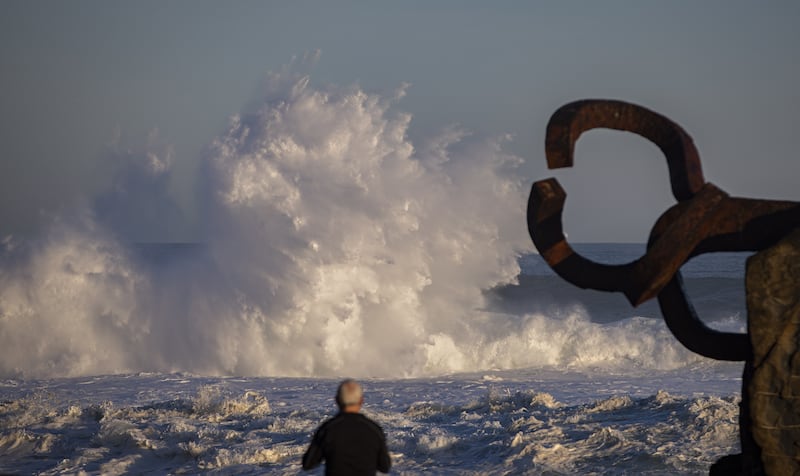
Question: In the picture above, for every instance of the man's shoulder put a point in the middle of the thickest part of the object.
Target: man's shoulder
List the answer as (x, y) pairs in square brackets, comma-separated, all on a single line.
[(372, 424), (330, 421), (348, 419), (367, 419), (325, 426)]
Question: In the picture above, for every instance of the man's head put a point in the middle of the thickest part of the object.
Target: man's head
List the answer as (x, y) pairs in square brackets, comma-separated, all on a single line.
[(349, 396)]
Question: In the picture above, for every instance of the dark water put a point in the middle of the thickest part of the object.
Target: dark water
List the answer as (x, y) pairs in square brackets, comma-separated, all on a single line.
[(714, 283)]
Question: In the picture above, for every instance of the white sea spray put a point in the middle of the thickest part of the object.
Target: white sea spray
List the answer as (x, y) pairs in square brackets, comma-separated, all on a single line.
[(333, 245)]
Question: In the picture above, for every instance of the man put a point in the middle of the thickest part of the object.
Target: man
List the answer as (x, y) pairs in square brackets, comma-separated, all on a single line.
[(350, 443)]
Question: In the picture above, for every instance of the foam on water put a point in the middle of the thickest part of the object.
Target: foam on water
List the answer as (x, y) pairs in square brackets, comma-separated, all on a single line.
[(335, 246), (492, 424)]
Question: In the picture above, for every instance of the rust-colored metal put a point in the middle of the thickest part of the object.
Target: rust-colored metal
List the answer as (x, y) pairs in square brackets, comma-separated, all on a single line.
[(639, 280), (575, 118), (735, 224), (705, 220)]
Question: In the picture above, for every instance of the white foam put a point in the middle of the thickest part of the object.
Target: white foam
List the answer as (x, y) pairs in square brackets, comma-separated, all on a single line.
[(526, 423), (70, 309)]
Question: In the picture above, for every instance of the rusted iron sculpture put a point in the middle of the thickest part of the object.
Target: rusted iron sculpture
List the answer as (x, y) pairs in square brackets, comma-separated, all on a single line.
[(704, 220)]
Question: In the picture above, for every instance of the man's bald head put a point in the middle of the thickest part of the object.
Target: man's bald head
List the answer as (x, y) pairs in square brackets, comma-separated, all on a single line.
[(349, 396)]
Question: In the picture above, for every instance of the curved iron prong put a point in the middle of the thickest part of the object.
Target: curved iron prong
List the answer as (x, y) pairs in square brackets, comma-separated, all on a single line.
[(643, 278), (738, 224), (639, 280), (575, 118), (545, 207), (682, 320)]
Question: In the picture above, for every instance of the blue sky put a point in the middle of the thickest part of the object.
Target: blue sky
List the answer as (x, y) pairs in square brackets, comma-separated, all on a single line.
[(74, 73)]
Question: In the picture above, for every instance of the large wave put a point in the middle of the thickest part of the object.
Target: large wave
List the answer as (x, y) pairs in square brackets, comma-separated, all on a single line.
[(333, 246)]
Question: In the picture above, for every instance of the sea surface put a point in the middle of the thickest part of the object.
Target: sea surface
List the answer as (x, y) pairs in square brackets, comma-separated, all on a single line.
[(590, 385), (331, 244)]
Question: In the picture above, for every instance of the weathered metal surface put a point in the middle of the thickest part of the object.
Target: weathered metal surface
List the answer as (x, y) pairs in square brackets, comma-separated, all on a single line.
[(639, 280), (575, 118), (735, 224), (704, 220)]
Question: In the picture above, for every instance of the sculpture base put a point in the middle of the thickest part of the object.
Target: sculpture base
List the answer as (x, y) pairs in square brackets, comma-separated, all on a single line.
[(773, 390)]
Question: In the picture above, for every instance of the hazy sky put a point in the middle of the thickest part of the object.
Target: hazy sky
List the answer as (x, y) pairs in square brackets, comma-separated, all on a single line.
[(74, 74)]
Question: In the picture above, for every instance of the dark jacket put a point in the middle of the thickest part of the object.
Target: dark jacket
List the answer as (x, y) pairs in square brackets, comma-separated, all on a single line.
[(351, 444)]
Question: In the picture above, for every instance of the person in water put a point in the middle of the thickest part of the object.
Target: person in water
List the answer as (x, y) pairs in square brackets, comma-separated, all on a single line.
[(350, 443)]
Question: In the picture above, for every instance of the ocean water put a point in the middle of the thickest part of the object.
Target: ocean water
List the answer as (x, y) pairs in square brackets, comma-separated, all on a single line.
[(622, 398), (332, 246)]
